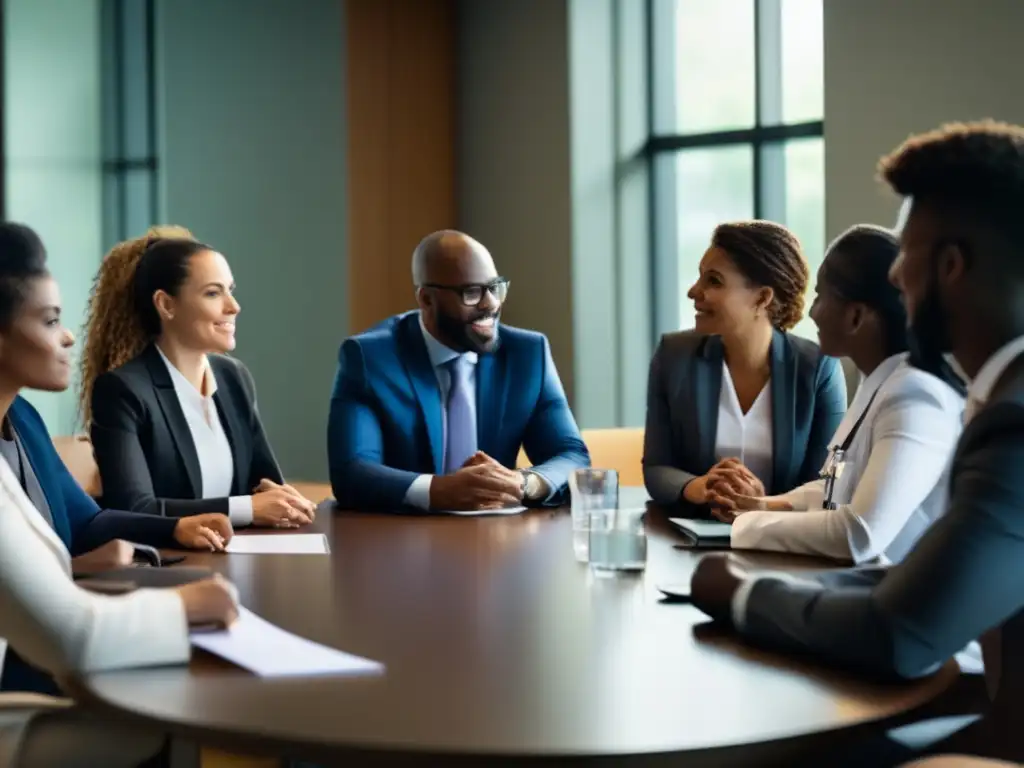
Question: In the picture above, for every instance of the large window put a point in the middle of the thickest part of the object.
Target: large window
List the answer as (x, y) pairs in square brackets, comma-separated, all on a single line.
[(736, 131), (129, 118)]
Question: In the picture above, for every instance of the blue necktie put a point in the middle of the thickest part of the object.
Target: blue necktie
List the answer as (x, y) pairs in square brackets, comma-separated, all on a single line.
[(461, 438)]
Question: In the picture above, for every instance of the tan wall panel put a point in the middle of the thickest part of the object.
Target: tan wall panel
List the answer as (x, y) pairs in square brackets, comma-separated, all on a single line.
[(401, 101)]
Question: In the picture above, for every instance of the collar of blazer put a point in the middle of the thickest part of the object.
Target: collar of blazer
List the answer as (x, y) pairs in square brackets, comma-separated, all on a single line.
[(1008, 391), (228, 409)]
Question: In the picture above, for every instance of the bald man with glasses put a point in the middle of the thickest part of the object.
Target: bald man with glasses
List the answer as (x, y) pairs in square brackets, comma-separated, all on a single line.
[(431, 407)]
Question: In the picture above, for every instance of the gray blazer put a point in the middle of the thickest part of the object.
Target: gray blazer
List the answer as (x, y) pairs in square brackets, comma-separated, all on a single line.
[(683, 386), (963, 580)]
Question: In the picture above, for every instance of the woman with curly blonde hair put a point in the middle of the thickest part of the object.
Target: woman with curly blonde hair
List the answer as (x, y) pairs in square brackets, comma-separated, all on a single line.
[(173, 419)]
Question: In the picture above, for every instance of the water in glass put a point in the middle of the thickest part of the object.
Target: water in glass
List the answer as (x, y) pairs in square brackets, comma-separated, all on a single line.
[(590, 490), (618, 541)]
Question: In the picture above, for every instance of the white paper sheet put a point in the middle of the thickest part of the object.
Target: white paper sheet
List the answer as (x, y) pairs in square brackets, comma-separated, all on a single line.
[(268, 651), (279, 544), (480, 512)]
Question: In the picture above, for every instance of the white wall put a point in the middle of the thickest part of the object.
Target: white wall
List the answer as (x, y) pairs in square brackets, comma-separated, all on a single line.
[(252, 160), (551, 119), (896, 67), (513, 180), (53, 153)]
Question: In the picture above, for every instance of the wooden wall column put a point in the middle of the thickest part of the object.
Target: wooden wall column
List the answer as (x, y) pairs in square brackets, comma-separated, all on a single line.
[(401, 144)]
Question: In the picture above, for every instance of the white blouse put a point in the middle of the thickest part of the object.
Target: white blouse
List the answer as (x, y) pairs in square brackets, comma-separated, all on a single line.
[(216, 460), (893, 485), (745, 436)]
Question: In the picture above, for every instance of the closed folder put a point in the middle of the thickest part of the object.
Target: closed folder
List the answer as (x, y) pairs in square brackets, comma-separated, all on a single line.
[(121, 580), (704, 534)]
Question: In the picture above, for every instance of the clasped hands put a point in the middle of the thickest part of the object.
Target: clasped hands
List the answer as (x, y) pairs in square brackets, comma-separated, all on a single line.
[(280, 506), (733, 490), (729, 488), (481, 483)]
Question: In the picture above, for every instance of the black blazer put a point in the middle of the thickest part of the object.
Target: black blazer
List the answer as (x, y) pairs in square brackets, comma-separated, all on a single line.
[(144, 449), (963, 580), (683, 386)]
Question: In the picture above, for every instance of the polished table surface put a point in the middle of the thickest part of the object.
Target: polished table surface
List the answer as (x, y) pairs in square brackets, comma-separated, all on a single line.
[(496, 642)]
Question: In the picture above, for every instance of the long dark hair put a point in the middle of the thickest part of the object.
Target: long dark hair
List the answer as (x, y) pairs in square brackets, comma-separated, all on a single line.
[(163, 266), (861, 275)]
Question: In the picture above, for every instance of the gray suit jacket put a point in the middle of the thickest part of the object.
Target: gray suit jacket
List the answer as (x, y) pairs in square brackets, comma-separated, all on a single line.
[(962, 581), (808, 402)]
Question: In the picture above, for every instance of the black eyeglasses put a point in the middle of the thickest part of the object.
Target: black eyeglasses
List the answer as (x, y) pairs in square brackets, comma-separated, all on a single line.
[(473, 294)]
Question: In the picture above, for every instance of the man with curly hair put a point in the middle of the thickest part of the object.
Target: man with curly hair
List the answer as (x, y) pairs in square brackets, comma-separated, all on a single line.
[(961, 271)]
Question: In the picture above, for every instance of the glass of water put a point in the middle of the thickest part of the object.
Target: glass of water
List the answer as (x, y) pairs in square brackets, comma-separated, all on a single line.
[(618, 540), (590, 490)]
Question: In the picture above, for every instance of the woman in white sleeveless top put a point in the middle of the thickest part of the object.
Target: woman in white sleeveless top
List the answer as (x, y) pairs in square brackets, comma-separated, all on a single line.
[(885, 479)]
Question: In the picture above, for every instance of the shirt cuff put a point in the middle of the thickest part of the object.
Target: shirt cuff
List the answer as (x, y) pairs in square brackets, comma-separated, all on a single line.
[(739, 602), (538, 487), (418, 494), (240, 510), (739, 527)]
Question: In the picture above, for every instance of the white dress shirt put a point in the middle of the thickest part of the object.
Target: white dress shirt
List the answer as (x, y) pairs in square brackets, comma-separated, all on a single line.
[(440, 355), (893, 485), (418, 494), (981, 387), (58, 626), (746, 436), (216, 461)]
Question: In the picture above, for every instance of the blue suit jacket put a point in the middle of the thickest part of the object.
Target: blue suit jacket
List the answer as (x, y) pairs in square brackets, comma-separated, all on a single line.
[(78, 521), (385, 421)]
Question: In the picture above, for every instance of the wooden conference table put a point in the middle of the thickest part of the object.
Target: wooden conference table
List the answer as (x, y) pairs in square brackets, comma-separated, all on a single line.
[(498, 644)]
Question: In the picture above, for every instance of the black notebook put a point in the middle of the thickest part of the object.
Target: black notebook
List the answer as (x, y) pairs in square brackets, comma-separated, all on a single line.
[(704, 534)]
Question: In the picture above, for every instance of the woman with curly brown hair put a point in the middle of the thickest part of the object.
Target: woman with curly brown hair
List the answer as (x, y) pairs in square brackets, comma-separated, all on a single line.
[(738, 400), (173, 419)]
